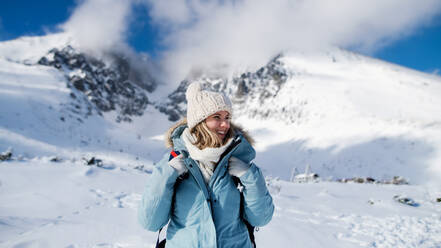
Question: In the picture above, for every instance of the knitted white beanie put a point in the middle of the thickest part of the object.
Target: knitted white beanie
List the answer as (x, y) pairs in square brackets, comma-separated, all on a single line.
[(203, 103)]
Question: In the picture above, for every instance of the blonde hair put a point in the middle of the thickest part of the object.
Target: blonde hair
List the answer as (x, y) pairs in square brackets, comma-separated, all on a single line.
[(206, 138), (231, 132)]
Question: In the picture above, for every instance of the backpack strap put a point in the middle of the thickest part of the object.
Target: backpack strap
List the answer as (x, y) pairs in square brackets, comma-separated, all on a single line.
[(162, 243), (241, 211), (181, 178)]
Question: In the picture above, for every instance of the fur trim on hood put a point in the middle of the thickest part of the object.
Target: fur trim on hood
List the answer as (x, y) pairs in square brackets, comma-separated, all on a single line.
[(168, 134)]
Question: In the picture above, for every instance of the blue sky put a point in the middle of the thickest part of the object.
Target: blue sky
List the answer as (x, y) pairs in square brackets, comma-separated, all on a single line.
[(27, 17), (420, 51)]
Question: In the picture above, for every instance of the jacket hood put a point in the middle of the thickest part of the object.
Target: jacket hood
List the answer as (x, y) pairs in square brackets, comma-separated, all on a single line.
[(176, 130)]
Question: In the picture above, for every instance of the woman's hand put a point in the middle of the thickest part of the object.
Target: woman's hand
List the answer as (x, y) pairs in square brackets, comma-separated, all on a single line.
[(237, 167), (177, 162)]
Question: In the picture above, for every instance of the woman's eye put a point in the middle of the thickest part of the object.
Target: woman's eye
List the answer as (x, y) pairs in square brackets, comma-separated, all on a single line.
[(216, 117)]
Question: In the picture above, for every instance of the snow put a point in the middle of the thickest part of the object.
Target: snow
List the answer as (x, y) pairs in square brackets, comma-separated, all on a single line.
[(69, 204), (30, 49), (359, 117), (351, 215)]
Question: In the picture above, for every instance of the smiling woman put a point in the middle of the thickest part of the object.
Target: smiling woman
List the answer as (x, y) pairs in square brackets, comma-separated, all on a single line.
[(219, 123), (195, 188)]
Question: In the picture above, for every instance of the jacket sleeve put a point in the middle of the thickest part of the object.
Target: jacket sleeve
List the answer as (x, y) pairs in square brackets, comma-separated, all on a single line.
[(154, 208), (258, 203)]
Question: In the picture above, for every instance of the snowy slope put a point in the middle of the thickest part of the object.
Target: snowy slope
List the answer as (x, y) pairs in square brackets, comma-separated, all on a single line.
[(342, 113), (354, 116), (36, 117)]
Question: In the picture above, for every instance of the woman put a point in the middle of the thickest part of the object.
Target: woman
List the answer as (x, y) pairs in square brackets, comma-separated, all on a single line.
[(193, 189)]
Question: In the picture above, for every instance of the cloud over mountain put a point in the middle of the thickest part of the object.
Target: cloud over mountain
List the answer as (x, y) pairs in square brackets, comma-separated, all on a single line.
[(100, 24), (216, 36), (248, 32)]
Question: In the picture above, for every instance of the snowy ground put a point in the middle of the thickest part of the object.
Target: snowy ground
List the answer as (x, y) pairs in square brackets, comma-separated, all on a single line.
[(69, 204)]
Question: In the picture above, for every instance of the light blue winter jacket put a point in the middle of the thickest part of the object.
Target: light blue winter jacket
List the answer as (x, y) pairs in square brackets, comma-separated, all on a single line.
[(205, 216)]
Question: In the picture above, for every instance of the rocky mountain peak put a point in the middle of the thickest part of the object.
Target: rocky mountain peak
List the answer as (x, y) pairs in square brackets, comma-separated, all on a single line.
[(101, 86), (247, 90)]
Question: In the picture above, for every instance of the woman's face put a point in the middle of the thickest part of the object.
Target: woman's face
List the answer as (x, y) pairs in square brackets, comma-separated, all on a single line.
[(219, 123)]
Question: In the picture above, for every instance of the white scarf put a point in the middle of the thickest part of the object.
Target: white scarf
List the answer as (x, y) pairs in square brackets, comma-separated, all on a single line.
[(207, 157)]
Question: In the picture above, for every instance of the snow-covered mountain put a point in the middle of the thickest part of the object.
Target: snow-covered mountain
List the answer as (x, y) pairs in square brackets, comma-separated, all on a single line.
[(339, 113), (342, 113), (55, 100), (106, 88)]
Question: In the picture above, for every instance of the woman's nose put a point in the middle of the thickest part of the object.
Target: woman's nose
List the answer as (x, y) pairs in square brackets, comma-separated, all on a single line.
[(225, 123)]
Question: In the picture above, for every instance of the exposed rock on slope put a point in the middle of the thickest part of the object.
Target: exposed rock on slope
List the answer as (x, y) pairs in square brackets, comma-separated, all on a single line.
[(248, 91), (101, 87)]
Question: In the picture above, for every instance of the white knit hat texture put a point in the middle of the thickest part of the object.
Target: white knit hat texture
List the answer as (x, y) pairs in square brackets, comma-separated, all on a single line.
[(203, 103)]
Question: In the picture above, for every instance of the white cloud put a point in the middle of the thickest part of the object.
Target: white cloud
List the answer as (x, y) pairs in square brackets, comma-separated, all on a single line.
[(100, 24), (213, 33), (218, 35), (171, 12)]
